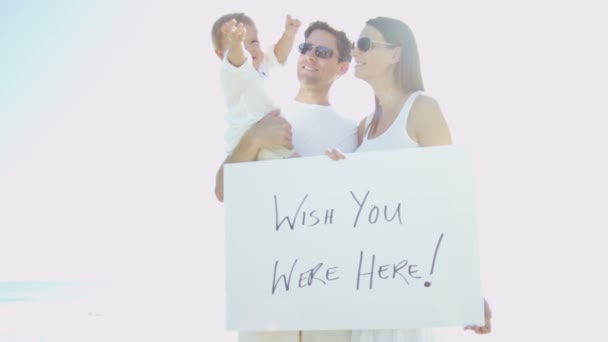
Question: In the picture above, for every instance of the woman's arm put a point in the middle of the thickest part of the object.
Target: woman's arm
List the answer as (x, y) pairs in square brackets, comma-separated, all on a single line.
[(429, 125)]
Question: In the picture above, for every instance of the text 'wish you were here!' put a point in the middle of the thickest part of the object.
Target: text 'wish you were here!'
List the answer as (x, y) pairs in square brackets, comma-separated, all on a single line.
[(288, 276)]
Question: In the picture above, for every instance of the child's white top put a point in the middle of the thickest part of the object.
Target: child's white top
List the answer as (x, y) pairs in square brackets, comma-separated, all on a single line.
[(245, 95)]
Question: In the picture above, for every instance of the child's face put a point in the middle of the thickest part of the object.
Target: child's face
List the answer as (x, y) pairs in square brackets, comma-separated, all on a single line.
[(252, 45)]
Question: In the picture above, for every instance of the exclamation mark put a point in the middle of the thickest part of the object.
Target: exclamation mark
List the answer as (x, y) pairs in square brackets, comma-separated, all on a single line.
[(428, 283)]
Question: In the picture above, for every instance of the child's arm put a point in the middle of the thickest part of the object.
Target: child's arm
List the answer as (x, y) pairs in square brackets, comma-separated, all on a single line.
[(285, 44), (235, 32), (235, 73)]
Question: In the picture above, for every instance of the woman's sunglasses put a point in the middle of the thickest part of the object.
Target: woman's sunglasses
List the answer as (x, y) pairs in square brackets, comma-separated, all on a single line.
[(320, 51), (364, 44)]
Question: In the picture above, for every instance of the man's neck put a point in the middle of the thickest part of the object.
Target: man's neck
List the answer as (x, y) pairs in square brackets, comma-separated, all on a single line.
[(313, 96)]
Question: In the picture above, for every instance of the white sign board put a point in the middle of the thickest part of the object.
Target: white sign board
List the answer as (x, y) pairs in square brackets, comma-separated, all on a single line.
[(377, 241)]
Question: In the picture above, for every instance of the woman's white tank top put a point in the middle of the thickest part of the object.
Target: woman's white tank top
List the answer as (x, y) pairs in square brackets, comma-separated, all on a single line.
[(396, 135)]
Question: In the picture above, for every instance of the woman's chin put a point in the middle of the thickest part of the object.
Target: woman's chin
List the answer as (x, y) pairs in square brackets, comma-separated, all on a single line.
[(359, 74)]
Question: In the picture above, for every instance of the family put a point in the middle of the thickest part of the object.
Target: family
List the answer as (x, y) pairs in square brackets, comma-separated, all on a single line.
[(385, 56)]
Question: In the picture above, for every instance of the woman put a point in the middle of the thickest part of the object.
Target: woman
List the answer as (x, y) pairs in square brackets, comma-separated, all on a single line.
[(386, 57)]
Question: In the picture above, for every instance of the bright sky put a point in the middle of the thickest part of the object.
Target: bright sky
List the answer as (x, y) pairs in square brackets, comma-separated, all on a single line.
[(111, 125)]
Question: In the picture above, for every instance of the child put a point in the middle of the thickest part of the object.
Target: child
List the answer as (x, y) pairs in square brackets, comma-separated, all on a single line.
[(242, 80)]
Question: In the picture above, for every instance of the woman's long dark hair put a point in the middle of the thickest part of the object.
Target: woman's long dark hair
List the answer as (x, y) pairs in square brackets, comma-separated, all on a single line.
[(407, 72)]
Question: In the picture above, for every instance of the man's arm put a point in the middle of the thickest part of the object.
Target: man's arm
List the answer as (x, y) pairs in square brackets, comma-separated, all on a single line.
[(246, 150), (270, 132)]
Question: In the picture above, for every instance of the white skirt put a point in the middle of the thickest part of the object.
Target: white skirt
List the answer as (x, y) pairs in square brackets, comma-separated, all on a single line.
[(294, 336), (400, 335)]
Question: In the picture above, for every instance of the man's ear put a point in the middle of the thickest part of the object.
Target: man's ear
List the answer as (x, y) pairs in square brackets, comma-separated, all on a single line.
[(343, 68), (220, 54)]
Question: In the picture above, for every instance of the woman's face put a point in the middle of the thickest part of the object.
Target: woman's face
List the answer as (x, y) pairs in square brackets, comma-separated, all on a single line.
[(374, 57)]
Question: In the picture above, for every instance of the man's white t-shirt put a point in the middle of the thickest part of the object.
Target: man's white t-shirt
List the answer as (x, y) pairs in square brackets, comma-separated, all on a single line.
[(315, 128)]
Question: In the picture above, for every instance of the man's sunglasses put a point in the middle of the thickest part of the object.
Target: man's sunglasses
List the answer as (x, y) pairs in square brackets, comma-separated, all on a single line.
[(320, 51), (364, 44)]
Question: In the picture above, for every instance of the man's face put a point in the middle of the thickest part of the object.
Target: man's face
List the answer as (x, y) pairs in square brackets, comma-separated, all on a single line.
[(315, 70), (252, 45)]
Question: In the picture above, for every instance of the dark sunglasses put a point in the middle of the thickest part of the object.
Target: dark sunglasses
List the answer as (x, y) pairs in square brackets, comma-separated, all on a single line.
[(320, 51), (364, 44)]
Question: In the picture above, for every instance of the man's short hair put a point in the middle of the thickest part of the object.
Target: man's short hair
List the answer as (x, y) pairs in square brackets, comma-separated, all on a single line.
[(344, 46)]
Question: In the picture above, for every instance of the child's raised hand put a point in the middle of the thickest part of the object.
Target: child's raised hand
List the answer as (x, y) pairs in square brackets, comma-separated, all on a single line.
[(235, 32), (292, 24)]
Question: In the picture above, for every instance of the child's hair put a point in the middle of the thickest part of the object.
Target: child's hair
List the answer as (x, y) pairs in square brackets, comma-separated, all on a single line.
[(216, 30)]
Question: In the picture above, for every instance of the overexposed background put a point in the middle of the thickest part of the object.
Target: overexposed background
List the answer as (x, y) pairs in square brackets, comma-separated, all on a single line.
[(111, 125)]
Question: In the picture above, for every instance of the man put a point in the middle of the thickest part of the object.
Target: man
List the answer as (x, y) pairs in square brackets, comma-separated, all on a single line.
[(310, 126)]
